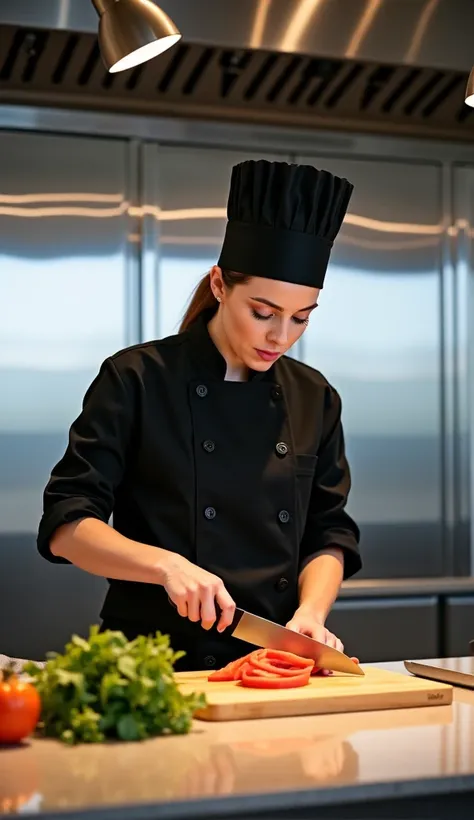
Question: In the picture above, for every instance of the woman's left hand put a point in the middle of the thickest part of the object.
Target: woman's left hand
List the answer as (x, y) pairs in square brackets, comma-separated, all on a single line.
[(306, 623)]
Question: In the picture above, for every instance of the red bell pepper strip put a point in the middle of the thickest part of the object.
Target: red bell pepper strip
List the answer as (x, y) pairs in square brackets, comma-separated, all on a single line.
[(257, 678), (279, 655), (267, 668), (283, 664), (229, 672)]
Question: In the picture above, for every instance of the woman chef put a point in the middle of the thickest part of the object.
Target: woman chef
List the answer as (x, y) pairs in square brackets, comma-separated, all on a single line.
[(221, 460)]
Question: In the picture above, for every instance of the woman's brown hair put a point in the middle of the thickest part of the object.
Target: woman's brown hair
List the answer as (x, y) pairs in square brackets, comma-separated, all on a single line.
[(204, 299)]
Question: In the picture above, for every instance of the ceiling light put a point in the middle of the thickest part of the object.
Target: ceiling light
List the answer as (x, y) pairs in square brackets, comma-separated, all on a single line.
[(469, 95), (132, 31)]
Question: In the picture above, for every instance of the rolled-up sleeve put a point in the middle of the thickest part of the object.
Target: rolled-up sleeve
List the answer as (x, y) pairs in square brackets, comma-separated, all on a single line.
[(328, 524), (83, 483)]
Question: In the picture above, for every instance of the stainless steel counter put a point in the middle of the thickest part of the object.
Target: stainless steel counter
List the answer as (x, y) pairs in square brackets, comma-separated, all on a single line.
[(286, 767)]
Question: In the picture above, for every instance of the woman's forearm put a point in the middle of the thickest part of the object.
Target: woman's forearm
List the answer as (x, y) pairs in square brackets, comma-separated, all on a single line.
[(95, 547), (320, 582)]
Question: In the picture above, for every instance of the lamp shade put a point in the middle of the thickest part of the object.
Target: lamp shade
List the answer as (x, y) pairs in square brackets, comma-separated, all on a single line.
[(132, 31), (469, 95)]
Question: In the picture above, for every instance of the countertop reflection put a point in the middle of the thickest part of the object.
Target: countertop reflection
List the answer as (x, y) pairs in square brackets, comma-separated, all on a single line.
[(259, 757)]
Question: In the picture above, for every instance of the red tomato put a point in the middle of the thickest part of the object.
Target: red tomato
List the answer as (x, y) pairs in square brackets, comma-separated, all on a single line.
[(20, 707)]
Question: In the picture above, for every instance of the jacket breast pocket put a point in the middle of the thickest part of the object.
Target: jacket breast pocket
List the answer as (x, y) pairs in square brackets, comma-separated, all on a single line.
[(305, 468)]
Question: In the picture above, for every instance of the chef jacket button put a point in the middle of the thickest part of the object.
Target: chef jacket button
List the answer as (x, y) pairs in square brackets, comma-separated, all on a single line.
[(210, 660), (201, 390), (209, 446), (276, 392), (210, 513), (281, 448), (284, 516), (282, 584)]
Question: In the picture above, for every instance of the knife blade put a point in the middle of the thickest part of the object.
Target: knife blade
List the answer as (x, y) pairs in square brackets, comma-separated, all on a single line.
[(269, 635)]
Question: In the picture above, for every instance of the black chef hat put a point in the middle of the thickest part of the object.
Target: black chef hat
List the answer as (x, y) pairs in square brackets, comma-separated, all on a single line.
[(282, 221)]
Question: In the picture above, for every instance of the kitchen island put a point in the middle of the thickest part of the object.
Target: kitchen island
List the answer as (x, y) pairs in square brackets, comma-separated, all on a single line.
[(415, 762)]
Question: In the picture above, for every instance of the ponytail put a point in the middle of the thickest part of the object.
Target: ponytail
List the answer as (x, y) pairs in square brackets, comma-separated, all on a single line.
[(203, 298)]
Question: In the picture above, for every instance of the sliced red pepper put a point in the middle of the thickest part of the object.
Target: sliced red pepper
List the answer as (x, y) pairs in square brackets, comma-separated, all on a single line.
[(272, 662), (267, 668), (277, 671), (260, 679), (229, 672), (220, 675), (284, 665), (279, 655)]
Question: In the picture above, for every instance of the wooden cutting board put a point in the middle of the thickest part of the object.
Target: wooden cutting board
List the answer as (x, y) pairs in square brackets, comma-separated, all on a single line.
[(378, 689)]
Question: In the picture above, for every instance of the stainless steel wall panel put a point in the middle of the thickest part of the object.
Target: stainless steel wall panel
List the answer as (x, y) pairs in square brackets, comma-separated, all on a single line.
[(462, 249), (376, 337), (64, 307)]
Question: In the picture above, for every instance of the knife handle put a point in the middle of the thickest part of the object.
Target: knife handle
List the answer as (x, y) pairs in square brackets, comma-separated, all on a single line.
[(235, 621)]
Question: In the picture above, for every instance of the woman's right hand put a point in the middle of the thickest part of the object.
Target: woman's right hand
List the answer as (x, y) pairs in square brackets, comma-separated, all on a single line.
[(195, 592)]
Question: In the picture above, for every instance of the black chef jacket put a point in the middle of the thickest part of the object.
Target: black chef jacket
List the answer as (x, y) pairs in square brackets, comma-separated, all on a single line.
[(247, 479)]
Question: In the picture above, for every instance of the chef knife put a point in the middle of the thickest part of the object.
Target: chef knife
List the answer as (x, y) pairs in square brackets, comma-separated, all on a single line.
[(269, 635)]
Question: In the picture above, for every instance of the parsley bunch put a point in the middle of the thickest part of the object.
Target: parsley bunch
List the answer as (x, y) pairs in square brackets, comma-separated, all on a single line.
[(107, 687)]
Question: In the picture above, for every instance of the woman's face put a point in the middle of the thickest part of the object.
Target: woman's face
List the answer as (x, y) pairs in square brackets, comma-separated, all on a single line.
[(263, 318)]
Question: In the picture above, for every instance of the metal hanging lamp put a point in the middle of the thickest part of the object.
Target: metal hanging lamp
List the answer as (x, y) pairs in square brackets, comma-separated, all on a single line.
[(132, 31)]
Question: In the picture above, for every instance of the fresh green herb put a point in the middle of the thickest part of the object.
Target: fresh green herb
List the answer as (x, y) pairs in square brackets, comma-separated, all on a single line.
[(107, 687)]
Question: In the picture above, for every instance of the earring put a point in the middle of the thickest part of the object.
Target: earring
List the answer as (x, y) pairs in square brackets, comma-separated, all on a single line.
[(218, 298)]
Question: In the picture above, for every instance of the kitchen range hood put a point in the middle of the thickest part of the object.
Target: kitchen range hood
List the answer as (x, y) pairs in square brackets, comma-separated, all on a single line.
[(391, 66)]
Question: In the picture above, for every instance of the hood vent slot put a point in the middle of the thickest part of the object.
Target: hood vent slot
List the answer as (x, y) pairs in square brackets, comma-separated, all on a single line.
[(63, 62), (260, 76), (168, 76), (192, 81)]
